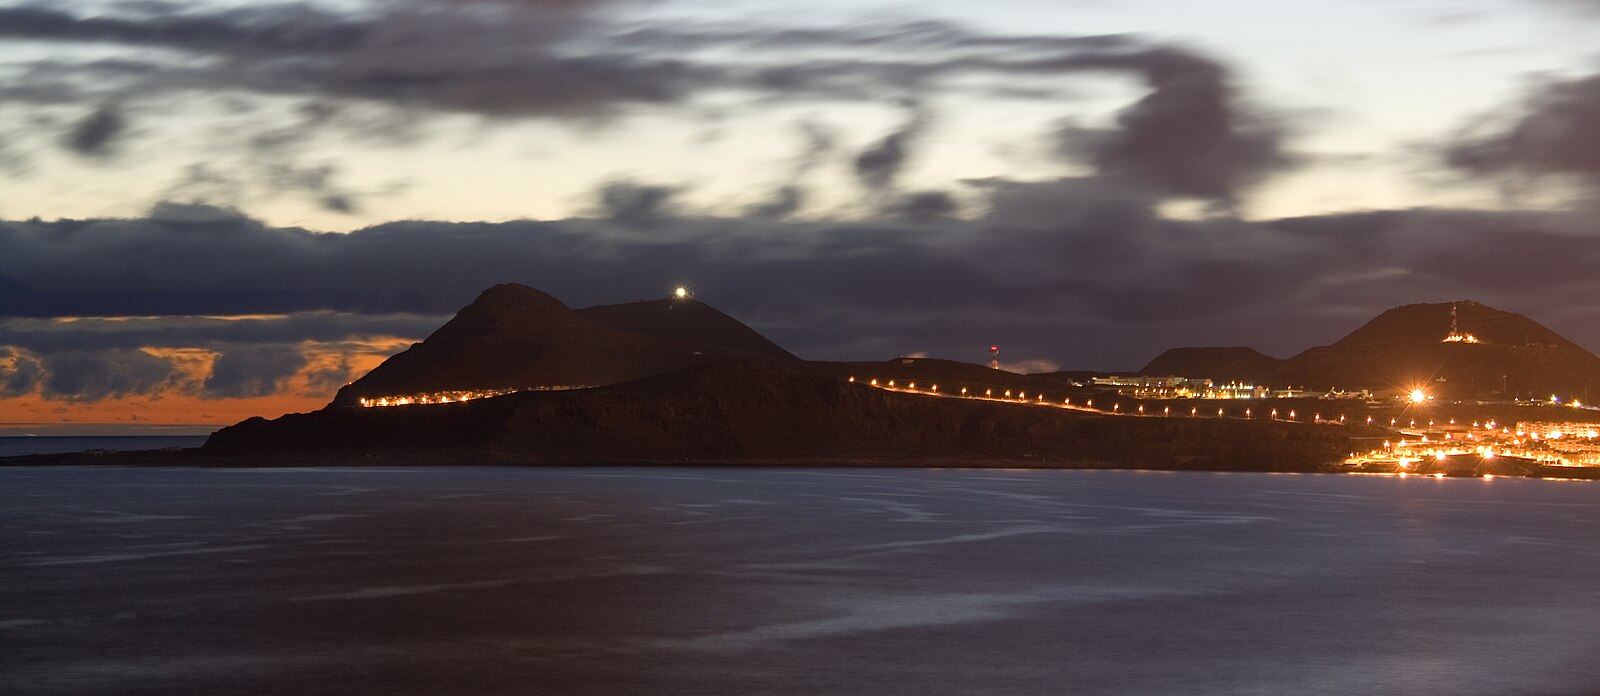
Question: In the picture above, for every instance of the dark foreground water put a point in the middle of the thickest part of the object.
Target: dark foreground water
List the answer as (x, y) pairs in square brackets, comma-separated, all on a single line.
[(793, 581)]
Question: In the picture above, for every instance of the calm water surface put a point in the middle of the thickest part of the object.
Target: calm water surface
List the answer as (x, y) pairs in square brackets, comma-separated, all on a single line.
[(793, 581)]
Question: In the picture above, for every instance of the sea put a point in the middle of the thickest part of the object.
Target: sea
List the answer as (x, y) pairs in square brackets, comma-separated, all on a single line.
[(697, 580)]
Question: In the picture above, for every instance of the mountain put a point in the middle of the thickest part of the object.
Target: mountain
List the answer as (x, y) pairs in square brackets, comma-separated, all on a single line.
[(683, 319), (746, 410), (515, 337), (1238, 363), (680, 381), (1404, 348)]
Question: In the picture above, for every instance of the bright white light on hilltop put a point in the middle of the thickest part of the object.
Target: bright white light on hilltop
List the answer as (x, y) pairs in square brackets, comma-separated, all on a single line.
[(681, 292), (1418, 396)]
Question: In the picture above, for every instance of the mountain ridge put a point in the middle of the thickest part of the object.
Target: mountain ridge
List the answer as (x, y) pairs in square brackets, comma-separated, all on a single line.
[(1405, 347), (513, 337)]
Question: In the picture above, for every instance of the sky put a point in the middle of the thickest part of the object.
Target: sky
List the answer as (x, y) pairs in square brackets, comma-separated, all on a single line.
[(216, 209)]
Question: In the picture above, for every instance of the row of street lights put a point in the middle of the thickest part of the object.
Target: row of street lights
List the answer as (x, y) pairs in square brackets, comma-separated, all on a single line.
[(1020, 396)]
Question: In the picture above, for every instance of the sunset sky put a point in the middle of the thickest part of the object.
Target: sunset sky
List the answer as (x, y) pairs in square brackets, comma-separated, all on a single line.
[(215, 209)]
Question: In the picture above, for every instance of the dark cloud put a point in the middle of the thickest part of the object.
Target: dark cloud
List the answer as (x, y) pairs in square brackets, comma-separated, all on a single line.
[(252, 370), (1188, 136), (204, 185), (82, 375), (407, 54), (292, 28), (783, 203), (880, 163), (46, 336), (817, 142), (369, 73), (1068, 203), (20, 372), (635, 204), (1059, 270), (926, 36), (1556, 131), (319, 181), (563, 60), (924, 206), (95, 135)]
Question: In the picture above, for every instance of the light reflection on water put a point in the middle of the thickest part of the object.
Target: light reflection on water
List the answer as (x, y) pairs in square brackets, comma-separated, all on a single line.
[(735, 581)]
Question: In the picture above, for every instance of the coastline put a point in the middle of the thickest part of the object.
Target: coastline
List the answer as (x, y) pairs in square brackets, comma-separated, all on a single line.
[(200, 459)]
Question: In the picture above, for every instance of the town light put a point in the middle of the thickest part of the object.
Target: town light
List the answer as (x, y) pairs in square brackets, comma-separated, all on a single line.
[(1418, 396)]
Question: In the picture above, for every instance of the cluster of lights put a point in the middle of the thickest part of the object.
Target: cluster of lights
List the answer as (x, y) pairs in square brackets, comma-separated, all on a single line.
[(442, 397), (1552, 444), (451, 397)]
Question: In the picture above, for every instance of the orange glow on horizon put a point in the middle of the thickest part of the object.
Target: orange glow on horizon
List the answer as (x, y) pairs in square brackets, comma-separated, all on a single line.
[(180, 400), (17, 413)]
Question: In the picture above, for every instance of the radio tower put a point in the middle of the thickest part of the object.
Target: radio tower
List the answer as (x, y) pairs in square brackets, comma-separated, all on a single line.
[(1455, 335), (994, 357)]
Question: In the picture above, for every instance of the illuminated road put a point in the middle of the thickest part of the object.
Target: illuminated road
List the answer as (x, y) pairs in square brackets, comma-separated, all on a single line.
[(1087, 406)]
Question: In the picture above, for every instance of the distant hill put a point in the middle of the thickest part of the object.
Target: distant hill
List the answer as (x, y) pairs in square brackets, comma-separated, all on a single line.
[(735, 409), (1403, 347), (1236, 362), (515, 337)]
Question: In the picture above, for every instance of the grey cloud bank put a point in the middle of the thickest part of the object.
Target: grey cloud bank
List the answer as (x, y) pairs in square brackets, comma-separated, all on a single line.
[(1054, 271)]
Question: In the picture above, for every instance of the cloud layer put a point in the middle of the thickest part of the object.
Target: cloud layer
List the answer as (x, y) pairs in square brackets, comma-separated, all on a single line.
[(1190, 135), (1556, 132), (1064, 270)]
